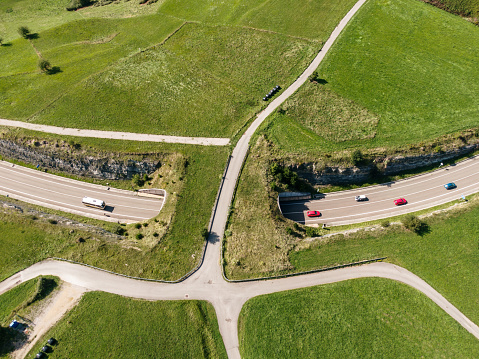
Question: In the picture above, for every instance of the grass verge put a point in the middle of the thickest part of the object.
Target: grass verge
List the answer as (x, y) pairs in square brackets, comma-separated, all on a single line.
[(361, 318), (105, 325)]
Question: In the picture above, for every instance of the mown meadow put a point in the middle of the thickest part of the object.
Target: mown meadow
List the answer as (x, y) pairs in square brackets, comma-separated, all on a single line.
[(360, 318), (106, 325), (175, 70)]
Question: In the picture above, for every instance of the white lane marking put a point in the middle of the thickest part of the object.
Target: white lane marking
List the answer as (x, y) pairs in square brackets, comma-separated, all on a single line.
[(396, 208), (74, 206), (72, 196), (384, 187), (59, 180), (369, 203)]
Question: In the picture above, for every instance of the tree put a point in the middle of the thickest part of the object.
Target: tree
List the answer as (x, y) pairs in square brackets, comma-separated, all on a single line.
[(357, 157), (45, 66), (412, 223), (314, 77), (24, 32)]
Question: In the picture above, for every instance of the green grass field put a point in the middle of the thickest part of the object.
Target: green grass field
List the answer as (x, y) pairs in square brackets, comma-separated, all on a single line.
[(402, 72), (362, 318), (170, 256), (168, 72), (105, 325)]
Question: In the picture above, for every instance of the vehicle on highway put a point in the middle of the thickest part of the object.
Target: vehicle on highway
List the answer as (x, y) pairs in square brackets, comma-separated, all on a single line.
[(400, 201), (313, 213), (450, 185), (360, 198), (92, 202)]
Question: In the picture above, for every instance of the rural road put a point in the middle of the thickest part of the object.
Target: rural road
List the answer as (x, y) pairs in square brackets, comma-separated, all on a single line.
[(227, 298), (421, 192), (114, 135), (207, 283), (65, 194)]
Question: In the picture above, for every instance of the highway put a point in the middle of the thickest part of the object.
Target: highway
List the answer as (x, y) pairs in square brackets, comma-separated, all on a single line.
[(65, 194), (421, 192)]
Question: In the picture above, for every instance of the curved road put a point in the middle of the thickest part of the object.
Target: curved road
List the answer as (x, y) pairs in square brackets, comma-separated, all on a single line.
[(207, 282), (421, 192), (65, 194)]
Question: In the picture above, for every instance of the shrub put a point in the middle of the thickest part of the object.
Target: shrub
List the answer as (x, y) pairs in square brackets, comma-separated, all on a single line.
[(290, 231), (137, 225), (385, 223), (155, 234), (77, 4), (45, 66), (24, 32), (357, 157), (139, 236), (145, 224), (311, 232), (412, 223), (52, 221), (119, 230), (313, 77)]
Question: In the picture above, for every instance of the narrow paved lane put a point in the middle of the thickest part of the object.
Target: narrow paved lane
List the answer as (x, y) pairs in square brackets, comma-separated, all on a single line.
[(115, 135)]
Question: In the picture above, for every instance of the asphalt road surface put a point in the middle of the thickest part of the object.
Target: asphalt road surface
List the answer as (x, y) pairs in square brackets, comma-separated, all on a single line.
[(421, 192), (65, 194)]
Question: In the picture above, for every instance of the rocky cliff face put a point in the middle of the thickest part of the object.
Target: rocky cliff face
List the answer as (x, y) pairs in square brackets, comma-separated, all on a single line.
[(387, 166), (81, 165)]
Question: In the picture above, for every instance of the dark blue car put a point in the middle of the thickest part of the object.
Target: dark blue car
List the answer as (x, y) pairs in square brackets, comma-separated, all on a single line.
[(450, 185)]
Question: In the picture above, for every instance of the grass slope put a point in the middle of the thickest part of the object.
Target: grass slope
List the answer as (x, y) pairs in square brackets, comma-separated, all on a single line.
[(406, 63), (363, 318), (105, 325), (313, 20)]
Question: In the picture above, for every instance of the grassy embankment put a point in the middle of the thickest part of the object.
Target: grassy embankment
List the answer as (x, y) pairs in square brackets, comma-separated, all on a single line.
[(105, 325), (191, 176), (20, 302), (361, 318), (400, 77)]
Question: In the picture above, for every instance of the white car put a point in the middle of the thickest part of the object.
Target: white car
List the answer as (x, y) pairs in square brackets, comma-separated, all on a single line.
[(361, 198)]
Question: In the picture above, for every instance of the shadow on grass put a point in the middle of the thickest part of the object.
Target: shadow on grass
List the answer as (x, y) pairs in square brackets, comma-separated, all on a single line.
[(8, 44), (32, 36), (423, 229), (54, 70)]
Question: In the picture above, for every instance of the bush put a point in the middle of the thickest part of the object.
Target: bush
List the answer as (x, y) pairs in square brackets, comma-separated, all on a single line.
[(311, 232), (357, 157), (313, 77), (139, 236), (412, 223), (385, 223), (45, 66), (155, 234), (119, 230), (137, 225), (145, 224), (290, 231), (24, 32), (77, 4)]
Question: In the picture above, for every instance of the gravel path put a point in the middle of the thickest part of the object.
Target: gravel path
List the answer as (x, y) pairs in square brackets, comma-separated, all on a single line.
[(114, 135)]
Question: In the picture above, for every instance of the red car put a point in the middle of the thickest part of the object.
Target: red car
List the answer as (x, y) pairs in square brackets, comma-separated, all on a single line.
[(400, 201), (313, 213)]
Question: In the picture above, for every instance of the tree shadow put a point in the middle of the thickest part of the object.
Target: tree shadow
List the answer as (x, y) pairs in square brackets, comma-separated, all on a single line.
[(321, 81), (213, 238), (54, 70), (7, 44), (423, 229), (32, 36)]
